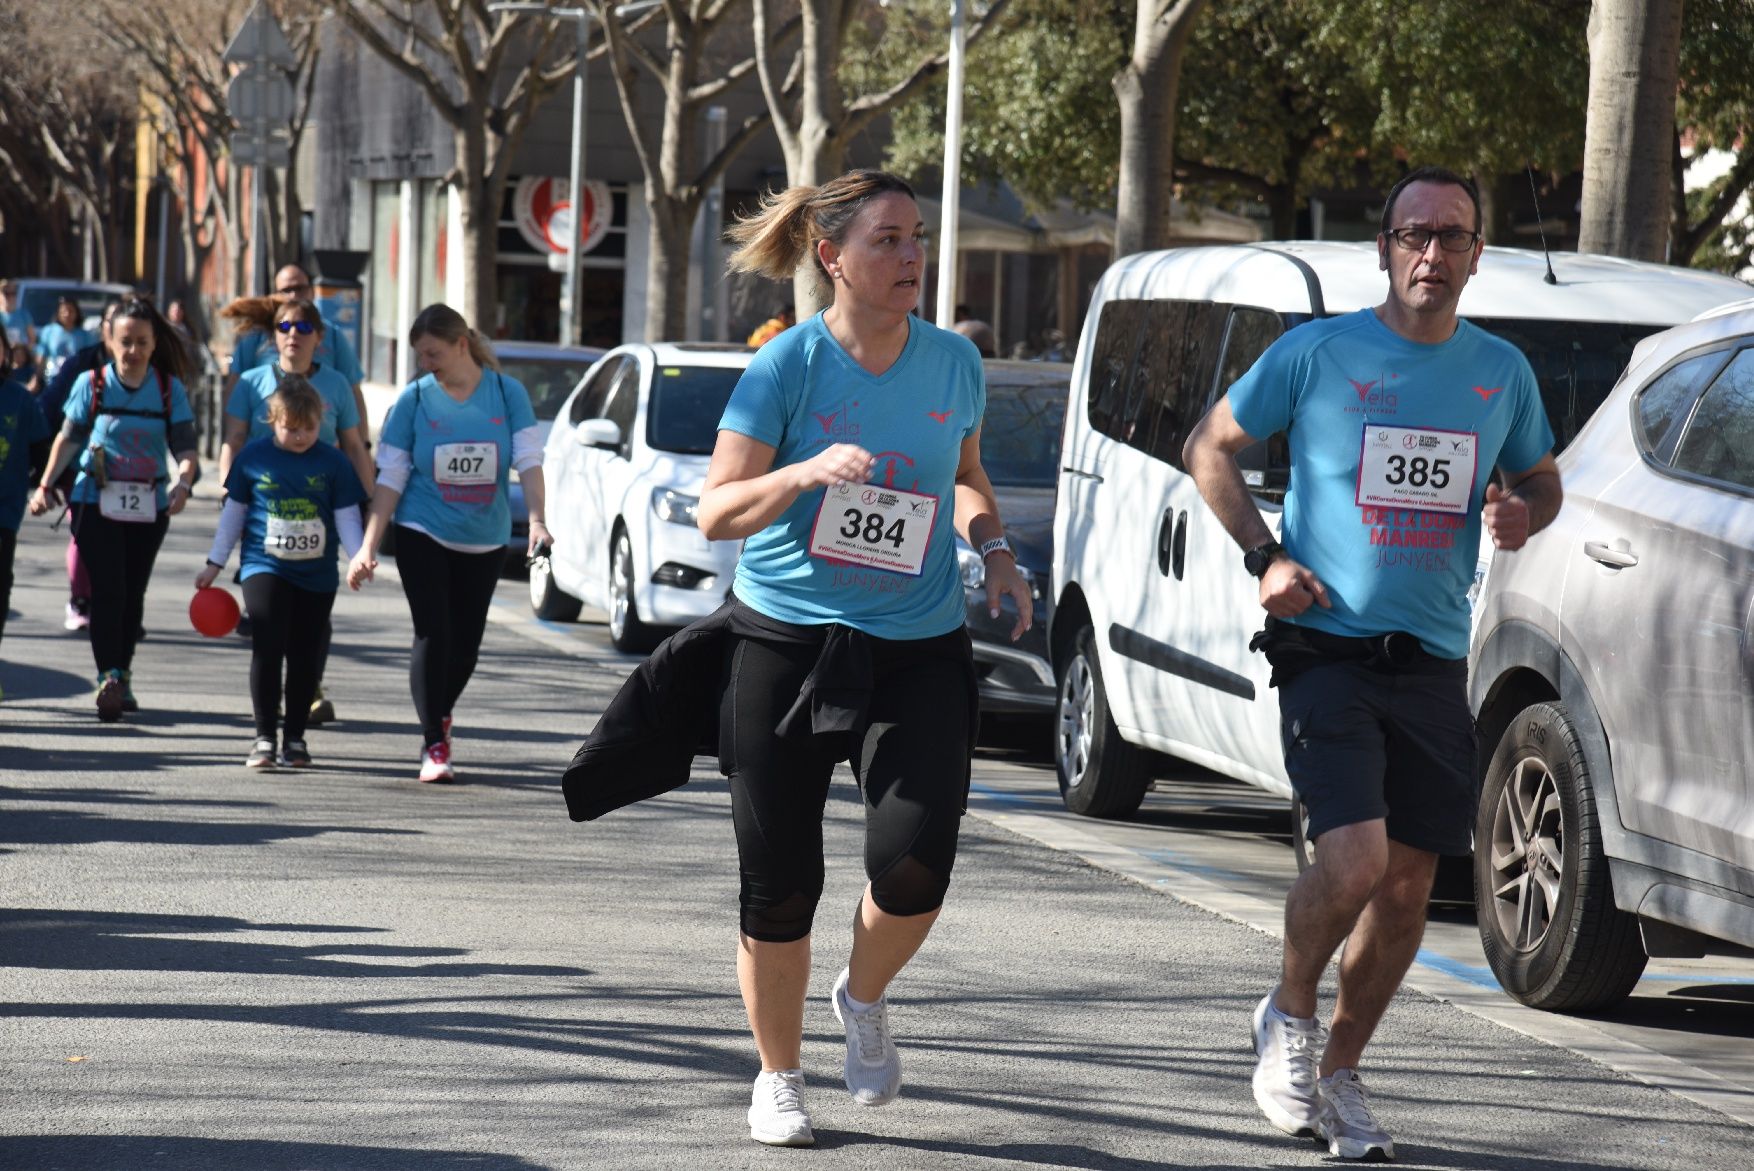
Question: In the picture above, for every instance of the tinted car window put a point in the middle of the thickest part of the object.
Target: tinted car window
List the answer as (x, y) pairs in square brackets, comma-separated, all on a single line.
[(1151, 370), (623, 402), (1719, 442), (548, 382), (1576, 364), (1266, 465), (1662, 406), (1020, 435), (589, 405), (687, 403), (1112, 405)]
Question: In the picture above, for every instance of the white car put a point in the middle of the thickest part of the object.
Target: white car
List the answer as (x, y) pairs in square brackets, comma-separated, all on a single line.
[(623, 466)]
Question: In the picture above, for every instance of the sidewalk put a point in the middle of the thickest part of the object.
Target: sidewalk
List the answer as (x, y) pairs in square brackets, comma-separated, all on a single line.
[(345, 969)]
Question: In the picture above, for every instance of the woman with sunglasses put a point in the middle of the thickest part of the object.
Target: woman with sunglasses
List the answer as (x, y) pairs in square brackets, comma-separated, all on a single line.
[(298, 330)]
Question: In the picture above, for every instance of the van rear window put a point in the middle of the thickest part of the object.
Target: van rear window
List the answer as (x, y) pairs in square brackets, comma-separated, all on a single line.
[(1576, 363)]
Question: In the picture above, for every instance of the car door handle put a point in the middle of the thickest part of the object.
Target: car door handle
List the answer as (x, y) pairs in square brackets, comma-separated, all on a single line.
[(1616, 556), (1082, 475), (1165, 542)]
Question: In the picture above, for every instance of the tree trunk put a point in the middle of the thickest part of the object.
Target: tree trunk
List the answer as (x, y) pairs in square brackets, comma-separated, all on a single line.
[(479, 213), (1635, 48), (1282, 207), (1146, 89), (667, 262)]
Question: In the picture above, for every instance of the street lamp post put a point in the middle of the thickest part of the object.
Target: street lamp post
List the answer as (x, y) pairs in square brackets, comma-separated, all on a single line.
[(580, 16), (950, 209)]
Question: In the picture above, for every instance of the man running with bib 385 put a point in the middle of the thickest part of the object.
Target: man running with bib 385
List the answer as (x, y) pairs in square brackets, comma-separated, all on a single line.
[(1397, 417)]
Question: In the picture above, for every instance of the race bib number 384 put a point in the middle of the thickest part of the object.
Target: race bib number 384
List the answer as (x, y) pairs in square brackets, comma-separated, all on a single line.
[(1417, 467), (883, 528)]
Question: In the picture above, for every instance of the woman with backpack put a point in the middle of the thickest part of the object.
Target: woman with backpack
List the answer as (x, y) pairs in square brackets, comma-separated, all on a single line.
[(127, 422)]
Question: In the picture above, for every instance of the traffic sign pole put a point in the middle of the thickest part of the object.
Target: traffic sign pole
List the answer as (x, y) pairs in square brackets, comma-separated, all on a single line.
[(261, 101)]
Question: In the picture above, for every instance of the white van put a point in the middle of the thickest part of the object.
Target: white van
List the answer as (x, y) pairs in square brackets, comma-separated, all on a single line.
[(1153, 610)]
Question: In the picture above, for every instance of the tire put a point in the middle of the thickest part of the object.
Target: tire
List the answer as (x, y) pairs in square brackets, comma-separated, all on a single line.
[(1100, 774), (547, 599), (1548, 922), (626, 630)]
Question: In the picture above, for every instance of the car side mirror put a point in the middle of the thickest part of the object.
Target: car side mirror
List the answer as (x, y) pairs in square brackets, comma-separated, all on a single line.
[(599, 433), (1266, 467)]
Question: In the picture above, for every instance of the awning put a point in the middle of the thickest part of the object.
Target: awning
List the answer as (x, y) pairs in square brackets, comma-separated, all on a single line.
[(980, 233)]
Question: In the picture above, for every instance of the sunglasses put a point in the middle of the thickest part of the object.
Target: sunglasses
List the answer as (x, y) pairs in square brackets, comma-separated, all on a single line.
[(301, 327)]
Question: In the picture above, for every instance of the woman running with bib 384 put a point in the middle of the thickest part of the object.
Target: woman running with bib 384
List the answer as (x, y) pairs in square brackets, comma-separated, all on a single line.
[(848, 454)]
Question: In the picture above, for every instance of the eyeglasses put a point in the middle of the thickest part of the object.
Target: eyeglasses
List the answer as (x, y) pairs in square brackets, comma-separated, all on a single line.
[(1419, 239), (301, 326)]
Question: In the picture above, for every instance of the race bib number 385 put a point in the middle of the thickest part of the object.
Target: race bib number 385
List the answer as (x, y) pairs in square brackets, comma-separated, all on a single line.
[(1417, 467), (883, 528)]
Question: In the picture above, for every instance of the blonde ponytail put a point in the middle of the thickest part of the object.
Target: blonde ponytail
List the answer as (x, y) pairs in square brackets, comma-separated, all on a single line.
[(774, 240)]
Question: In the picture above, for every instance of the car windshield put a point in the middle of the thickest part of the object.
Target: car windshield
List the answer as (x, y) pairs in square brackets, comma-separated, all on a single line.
[(548, 380), (1576, 363), (1020, 436), (687, 402)]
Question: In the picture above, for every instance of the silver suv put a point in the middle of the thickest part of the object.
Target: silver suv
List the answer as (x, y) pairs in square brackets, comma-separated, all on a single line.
[(1613, 685)]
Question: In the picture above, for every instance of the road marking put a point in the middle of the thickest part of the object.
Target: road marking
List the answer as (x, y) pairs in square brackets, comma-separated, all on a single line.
[(1469, 988)]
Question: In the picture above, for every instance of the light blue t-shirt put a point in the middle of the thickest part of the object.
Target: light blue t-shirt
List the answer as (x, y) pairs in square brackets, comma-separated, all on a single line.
[(249, 401), (802, 393), (21, 424), (136, 445), (292, 486), (18, 325), (1338, 384), (334, 352), (429, 424), (56, 343)]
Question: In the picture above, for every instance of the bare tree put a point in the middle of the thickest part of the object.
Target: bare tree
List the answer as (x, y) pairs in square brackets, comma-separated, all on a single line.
[(677, 178), (1147, 89), (1629, 135), (813, 116), (485, 77)]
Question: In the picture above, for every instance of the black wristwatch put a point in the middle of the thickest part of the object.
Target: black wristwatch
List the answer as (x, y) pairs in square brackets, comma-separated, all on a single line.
[(1258, 559)]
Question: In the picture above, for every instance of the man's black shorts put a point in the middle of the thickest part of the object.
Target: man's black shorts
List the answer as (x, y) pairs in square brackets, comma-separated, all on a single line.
[(1363, 743)]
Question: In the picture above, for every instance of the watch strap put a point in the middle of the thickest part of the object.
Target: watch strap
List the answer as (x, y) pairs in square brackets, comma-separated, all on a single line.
[(996, 545)]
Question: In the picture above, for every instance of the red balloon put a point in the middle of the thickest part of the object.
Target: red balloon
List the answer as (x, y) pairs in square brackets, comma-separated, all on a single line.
[(214, 612)]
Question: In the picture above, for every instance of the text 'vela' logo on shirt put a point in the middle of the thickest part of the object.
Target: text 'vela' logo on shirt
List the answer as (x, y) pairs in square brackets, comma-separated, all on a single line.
[(1372, 397), (838, 423)]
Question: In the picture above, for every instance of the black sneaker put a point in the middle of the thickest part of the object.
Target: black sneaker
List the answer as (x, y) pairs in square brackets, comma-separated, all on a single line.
[(293, 754), (261, 756), (110, 692)]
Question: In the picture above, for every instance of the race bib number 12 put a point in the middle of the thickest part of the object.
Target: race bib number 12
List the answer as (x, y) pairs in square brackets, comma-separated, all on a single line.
[(128, 502), (1417, 467), (883, 528)]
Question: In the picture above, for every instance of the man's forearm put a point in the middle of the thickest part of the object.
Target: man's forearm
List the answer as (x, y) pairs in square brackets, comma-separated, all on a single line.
[(1543, 495), (1222, 488)]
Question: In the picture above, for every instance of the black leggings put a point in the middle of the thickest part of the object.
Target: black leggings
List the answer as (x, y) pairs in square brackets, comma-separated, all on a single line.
[(448, 596), (118, 557), (911, 760), (8, 550), (287, 625)]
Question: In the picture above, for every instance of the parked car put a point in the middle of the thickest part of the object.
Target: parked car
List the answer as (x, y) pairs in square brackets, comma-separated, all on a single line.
[(41, 295), (624, 465), (1613, 685), (549, 372), (1020, 449), (1153, 610)]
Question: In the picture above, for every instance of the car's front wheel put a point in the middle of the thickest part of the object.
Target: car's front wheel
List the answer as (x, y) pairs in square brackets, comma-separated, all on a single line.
[(1101, 775), (1542, 890), (547, 599), (626, 629)]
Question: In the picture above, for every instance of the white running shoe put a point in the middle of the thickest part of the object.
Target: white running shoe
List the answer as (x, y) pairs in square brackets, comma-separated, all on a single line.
[(776, 1110), (1347, 1125), (435, 763), (1285, 1075), (873, 1068)]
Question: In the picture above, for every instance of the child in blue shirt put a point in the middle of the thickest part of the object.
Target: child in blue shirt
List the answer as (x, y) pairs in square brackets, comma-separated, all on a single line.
[(292, 500)]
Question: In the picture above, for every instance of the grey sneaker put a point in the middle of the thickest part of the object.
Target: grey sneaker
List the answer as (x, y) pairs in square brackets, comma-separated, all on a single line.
[(261, 757), (776, 1110), (1347, 1125), (1285, 1075), (873, 1068)]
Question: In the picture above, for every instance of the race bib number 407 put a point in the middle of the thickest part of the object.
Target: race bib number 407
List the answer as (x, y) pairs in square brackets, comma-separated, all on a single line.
[(465, 464), (1417, 467), (883, 528)]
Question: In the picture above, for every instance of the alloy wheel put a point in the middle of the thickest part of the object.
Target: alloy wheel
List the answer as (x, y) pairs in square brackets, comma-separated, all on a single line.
[(620, 588), (1528, 854), (1077, 714)]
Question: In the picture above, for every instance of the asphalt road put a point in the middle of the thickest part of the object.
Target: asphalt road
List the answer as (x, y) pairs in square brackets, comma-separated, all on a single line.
[(202, 968)]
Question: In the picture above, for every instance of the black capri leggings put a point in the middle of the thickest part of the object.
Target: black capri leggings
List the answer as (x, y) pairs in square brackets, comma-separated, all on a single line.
[(118, 557), (448, 596), (8, 550), (911, 760), (288, 626)]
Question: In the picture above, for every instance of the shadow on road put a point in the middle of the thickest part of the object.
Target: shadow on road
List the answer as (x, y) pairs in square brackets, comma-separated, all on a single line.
[(31, 681), (79, 827), (47, 1152), (100, 941)]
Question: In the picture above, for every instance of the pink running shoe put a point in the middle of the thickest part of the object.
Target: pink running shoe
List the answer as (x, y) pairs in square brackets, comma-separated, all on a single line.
[(435, 763)]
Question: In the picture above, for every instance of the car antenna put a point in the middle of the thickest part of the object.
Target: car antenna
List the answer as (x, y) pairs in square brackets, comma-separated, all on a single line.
[(1541, 226)]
